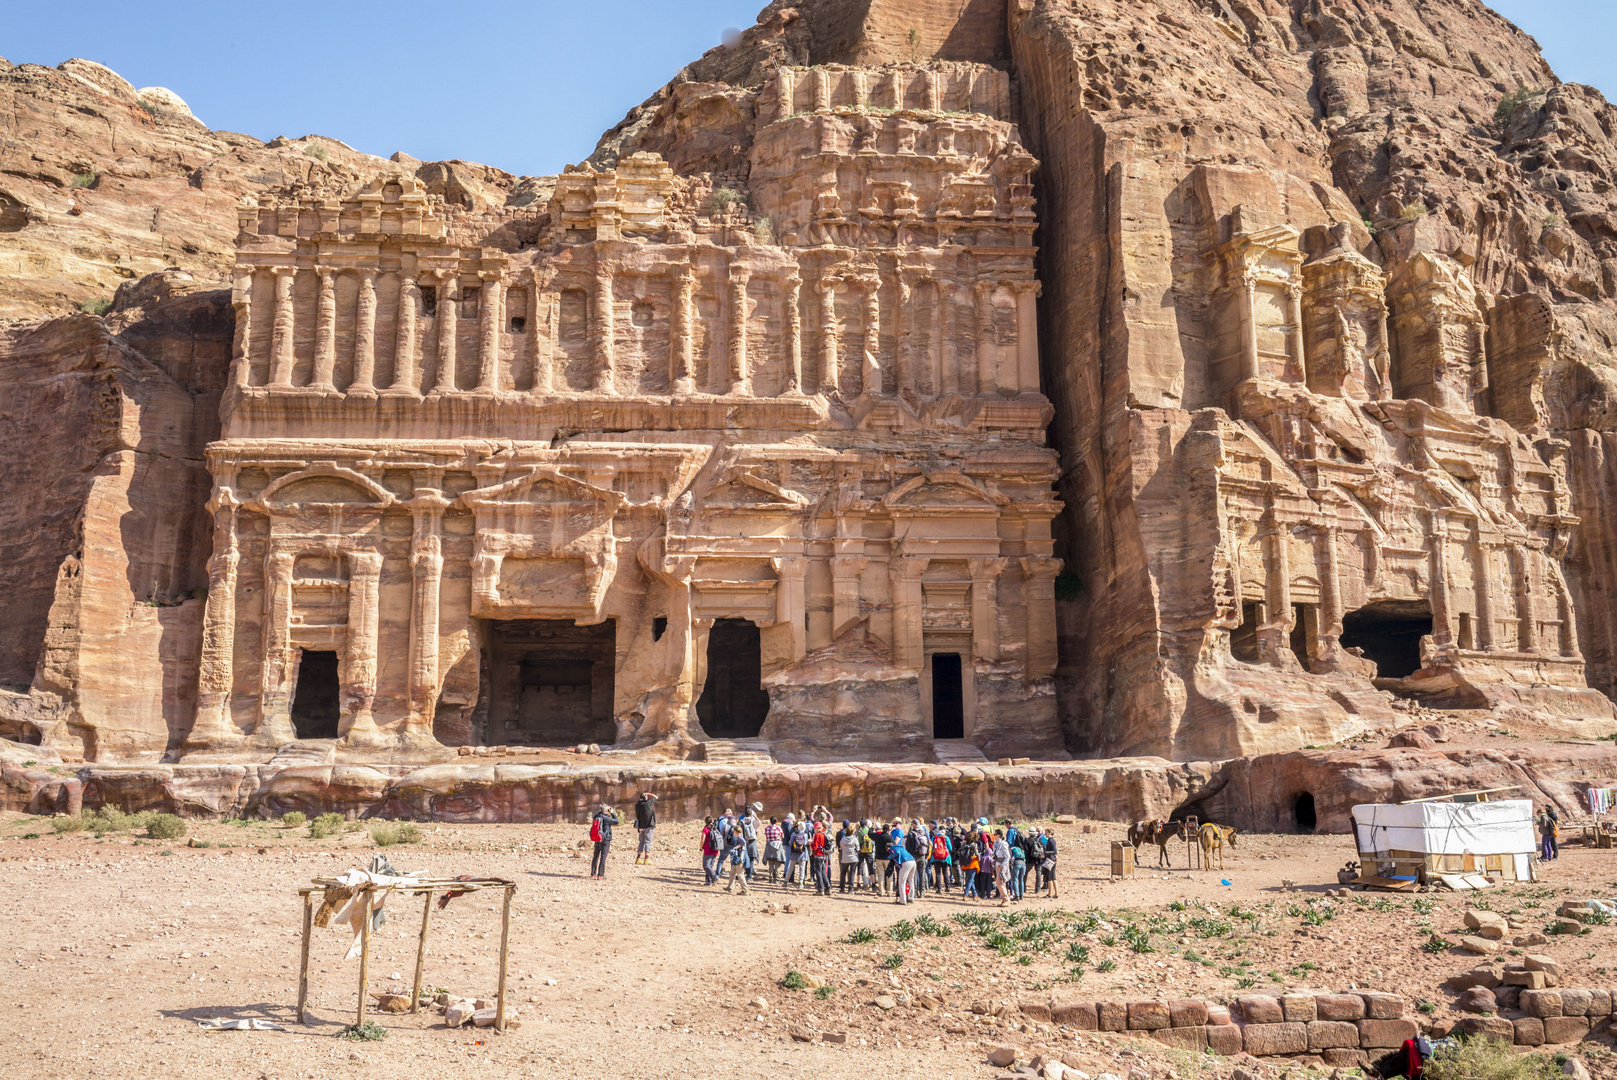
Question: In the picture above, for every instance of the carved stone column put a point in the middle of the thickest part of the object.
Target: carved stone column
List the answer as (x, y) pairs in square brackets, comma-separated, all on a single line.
[(241, 301), (365, 336), (426, 570), (1294, 314), (274, 704), (1526, 620), (1330, 597), (1039, 600), (945, 364), (282, 327), (985, 607), (544, 362), (683, 346), (325, 332), (908, 644), (794, 336), (1482, 584), (1249, 325), (448, 331), (1569, 618), (1027, 336), (404, 349), (1383, 354), (786, 88), (827, 288), (602, 326), (533, 336), (987, 351), (790, 600), (359, 656), (870, 378), (491, 314), (1442, 621), (740, 373), (904, 373), (1274, 636), (213, 724), (822, 89)]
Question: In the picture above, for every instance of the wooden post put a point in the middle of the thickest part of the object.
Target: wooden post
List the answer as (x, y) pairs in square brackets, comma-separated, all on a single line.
[(421, 953), (364, 956), (505, 956), (303, 968)]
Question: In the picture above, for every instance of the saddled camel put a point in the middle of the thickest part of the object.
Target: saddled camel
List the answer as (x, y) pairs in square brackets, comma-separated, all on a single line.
[(1160, 833), (1213, 838)]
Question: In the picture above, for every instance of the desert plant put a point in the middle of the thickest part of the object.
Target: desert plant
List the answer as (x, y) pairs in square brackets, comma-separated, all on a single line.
[(1435, 945), (325, 825), (99, 306), (316, 151), (166, 827), (860, 936), (793, 980), (723, 198), (1488, 1059), (892, 960), (1414, 211), (764, 230), (83, 180), (369, 1031), (389, 833), (294, 820), (823, 993), (1510, 103), (1106, 965), (71, 824), (1078, 954)]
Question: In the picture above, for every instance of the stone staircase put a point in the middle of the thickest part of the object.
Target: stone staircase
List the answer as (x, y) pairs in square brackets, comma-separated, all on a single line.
[(957, 752), (744, 753)]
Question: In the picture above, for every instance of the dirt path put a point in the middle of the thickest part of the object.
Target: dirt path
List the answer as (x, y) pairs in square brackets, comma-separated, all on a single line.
[(118, 947)]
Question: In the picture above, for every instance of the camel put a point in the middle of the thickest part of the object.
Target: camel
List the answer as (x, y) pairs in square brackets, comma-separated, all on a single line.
[(1213, 838), (1160, 833)]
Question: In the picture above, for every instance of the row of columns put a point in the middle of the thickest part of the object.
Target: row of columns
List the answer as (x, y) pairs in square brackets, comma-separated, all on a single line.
[(1249, 325), (215, 724), (887, 90), (909, 600), (936, 368)]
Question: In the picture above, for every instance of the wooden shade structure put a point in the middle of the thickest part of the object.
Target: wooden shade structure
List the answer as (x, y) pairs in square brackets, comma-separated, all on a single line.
[(427, 887)]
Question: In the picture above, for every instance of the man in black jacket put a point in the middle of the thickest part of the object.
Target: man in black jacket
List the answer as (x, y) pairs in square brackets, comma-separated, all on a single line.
[(601, 832), (645, 822)]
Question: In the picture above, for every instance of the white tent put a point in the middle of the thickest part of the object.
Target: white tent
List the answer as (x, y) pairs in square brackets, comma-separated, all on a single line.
[(1449, 837)]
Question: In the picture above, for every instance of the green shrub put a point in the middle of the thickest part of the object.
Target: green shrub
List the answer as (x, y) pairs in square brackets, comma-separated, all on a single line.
[(1510, 103), (764, 230), (389, 833), (96, 307), (862, 935), (1106, 965), (1434, 945), (325, 825), (1489, 1059), (892, 960), (903, 930), (72, 824), (165, 827), (369, 1031), (793, 980), (723, 198), (294, 820), (83, 180), (316, 151)]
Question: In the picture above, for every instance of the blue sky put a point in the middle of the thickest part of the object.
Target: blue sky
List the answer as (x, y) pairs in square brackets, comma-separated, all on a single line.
[(526, 86)]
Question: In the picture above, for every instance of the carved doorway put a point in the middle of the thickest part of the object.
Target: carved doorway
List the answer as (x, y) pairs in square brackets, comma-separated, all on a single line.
[(948, 697), (734, 703), (315, 702), (551, 683)]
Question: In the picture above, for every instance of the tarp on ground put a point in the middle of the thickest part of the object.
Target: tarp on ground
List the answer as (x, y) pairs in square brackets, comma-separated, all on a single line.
[(1447, 828)]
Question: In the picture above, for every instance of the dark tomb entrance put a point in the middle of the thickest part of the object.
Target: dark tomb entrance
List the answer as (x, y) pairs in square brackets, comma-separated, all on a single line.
[(1389, 633), (1303, 813), (551, 683), (734, 703), (315, 706), (948, 697)]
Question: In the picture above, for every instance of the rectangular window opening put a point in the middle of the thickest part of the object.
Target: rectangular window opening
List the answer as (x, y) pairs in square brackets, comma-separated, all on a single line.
[(948, 697), (429, 301), (518, 324)]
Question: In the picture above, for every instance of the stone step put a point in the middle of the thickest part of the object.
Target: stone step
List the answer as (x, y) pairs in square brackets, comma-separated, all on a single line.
[(957, 752), (743, 752)]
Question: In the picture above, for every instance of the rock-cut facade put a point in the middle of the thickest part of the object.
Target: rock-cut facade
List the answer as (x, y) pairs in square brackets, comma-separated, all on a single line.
[(662, 461)]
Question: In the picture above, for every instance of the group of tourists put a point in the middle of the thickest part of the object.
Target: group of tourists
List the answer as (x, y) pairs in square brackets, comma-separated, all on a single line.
[(885, 858)]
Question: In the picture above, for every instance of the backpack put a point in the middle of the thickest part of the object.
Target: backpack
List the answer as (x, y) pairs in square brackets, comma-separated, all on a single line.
[(595, 830), (866, 844), (940, 850), (1012, 836), (1018, 853), (799, 841)]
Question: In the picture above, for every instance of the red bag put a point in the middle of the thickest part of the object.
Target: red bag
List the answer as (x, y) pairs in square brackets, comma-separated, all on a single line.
[(595, 830)]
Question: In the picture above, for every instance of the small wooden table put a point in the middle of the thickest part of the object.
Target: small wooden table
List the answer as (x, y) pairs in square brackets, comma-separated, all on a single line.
[(427, 887)]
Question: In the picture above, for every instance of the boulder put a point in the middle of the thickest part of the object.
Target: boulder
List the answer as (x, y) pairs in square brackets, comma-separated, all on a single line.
[(1187, 1013), (1414, 739), (1479, 1000), (1486, 977), (1547, 964), (1482, 946), (1529, 1031), (1076, 1014), (1575, 1002), (1543, 1004), (1193, 1039), (1529, 980), (1002, 1056), (1488, 1027)]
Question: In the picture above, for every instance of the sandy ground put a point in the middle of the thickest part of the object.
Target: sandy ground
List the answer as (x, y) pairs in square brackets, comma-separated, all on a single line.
[(119, 945)]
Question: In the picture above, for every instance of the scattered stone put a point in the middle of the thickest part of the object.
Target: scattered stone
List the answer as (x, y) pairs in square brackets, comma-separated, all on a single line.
[(1546, 964), (885, 1003), (1002, 1056), (1482, 976), (1478, 999), (1479, 945), (836, 1038), (1529, 940), (799, 1033), (1574, 1068)]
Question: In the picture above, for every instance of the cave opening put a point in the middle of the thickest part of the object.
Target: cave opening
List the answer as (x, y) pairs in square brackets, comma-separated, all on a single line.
[(1389, 633), (1303, 813), (315, 703)]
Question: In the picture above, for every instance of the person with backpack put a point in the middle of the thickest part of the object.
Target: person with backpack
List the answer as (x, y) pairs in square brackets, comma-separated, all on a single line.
[(918, 844), (903, 865), (881, 846), (645, 823), (847, 857), (735, 854), (601, 835), (966, 859), (774, 849), (749, 831), (711, 847), (867, 854), (799, 851), (940, 859), (1047, 867), (1018, 865), (1002, 868), (820, 859)]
